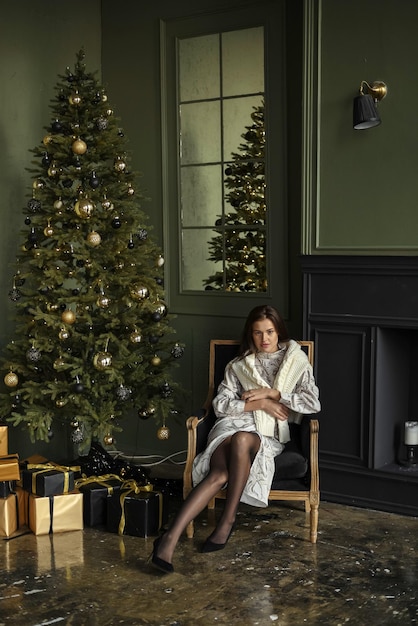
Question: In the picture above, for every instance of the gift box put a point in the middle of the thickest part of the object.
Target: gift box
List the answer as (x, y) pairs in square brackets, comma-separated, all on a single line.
[(9, 467), (6, 488), (22, 505), (47, 479), (55, 514), (8, 515), (58, 551), (135, 512), (95, 490), (3, 441)]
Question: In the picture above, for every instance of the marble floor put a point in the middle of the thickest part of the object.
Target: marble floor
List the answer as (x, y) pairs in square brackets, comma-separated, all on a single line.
[(363, 570)]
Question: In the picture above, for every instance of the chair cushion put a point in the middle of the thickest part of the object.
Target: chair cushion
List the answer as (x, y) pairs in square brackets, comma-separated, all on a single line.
[(290, 464)]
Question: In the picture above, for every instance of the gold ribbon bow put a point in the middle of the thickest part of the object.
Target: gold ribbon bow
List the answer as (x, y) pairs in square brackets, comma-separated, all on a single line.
[(130, 487), (101, 480), (47, 467)]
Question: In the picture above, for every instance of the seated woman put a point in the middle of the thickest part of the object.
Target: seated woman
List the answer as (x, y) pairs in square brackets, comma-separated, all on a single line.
[(269, 384)]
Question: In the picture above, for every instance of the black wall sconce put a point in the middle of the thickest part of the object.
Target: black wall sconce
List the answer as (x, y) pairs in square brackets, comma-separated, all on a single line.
[(365, 114)]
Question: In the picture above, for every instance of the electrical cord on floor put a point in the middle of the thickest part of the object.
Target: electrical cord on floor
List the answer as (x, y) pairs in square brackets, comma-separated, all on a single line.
[(138, 458)]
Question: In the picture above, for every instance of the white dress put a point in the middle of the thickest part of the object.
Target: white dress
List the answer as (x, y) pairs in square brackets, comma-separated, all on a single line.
[(229, 410)]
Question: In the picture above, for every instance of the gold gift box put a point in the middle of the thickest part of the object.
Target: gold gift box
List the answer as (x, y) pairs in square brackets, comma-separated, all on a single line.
[(3, 441), (8, 515), (22, 503), (9, 467), (56, 514)]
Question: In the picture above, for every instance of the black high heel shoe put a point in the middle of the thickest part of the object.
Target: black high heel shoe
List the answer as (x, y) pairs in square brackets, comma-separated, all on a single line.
[(210, 546), (163, 566)]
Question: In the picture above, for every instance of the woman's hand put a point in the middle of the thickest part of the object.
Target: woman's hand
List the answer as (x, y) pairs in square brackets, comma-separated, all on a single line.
[(275, 409), (261, 393)]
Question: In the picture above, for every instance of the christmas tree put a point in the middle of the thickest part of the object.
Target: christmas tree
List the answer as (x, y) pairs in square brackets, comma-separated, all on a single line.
[(93, 337), (240, 243)]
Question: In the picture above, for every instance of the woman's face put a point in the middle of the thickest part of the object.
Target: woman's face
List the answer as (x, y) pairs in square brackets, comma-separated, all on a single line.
[(265, 336)]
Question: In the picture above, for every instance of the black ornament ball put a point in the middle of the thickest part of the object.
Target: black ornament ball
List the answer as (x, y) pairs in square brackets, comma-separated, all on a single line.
[(15, 295), (34, 205), (177, 351), (116, 222), (28, 221), (156, 316), (78, 388)]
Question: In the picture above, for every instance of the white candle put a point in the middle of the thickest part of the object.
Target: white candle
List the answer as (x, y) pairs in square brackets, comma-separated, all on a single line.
[(411, 433)]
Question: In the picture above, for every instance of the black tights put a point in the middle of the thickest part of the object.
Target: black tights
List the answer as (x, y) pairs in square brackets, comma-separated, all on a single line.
[(230, 463)]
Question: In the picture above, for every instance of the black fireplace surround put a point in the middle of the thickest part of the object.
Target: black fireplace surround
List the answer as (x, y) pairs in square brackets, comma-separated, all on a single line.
[(362, 313)]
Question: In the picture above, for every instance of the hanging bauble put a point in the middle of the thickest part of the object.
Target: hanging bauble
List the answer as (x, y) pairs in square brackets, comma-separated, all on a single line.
[(146, 412), (94, 239), (74, 423), (135, 336), (34, 205), (47, 140), (166, 390), (58, 204), (161, 309), (108, 440), (156, 361), (78, 386), (67, 183), (61, 401), (177, 351), (158, 280), (32, 237), (53, 170), (33, 355), (156, 316), (51, 307), (68, 316), (159, 261), (15, 294), (48, 230), (102, 361), (84, 208), (107, 204), (94, 181), (131, 244), (138, 291), (142, 234), (28, 221), (153, 338), (77, 436), (56, 126), (163, 432), (119, 165), (58, 363), (116, 222), (74, 98), (101, 123), (103, 301), (79, 146), (63, 334), (123, 393), (11, 379), (130, 190), (46, 160)]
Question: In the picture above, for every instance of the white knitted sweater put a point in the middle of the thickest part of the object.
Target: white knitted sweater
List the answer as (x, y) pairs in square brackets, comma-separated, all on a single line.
[(293, 366)]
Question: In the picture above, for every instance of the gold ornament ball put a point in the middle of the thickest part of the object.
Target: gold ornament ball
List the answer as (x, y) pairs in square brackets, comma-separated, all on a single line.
[(160, 261), (63, 334), (108, 440), (94, 239), (58, 204), (60, 402), (68, 316), (48, 231), (103, 301), (74, 99), (11, 379), (52, 171), (37, 183), (156, 360), (138, 292), (102, 360), (47, 140), (120, 165), (135, 337), (163, 433), (84, 208), (79, 146), (58, 363), (74, 423)]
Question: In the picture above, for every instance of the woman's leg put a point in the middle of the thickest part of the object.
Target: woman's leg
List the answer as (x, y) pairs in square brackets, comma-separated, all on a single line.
[(243, 449), (197, 500)]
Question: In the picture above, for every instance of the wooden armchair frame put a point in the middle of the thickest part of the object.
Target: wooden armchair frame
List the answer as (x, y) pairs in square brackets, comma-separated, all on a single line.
[(198, 427)]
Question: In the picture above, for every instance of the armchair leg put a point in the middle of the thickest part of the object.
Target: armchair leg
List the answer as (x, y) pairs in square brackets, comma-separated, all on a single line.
[(190, 530), (314, 523)]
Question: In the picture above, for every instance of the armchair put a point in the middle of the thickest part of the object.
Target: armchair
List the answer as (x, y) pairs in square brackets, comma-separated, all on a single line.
[(297, 471)]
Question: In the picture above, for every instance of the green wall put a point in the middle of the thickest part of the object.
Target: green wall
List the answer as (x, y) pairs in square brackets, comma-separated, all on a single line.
[(366, 179), (39, 39)]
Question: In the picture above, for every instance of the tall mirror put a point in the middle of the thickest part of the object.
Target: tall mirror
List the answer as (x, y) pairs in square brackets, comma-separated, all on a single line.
[(223, 213)]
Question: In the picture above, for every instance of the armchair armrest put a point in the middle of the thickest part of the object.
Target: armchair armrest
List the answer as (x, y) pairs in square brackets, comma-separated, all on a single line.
[(194, 445)]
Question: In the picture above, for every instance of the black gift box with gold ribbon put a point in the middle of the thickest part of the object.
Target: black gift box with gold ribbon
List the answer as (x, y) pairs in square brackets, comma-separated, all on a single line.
[(47, 479), (95, 490), (135, 510)]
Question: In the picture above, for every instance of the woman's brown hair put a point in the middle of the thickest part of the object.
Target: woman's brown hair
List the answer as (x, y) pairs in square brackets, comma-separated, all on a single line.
[(261, 312)]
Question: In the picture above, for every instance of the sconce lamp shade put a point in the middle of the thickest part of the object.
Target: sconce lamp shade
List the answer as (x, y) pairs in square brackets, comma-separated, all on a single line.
[(365, 113)]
